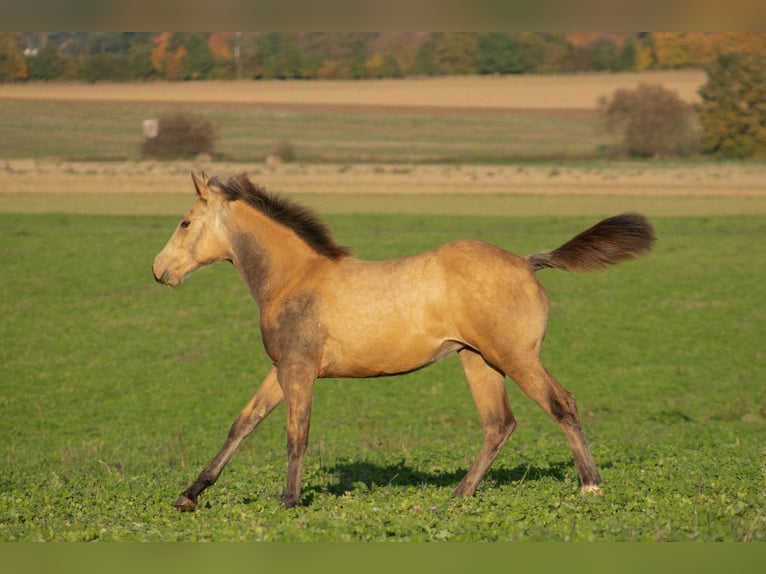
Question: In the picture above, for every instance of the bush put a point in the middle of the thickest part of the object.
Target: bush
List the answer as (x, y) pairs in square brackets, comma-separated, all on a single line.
[(284, 150), (733, 108), (180, 135), (653, 121)]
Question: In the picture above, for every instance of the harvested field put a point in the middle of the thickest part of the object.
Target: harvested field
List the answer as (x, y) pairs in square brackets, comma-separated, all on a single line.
[(154, 187), (509, 93), (732, 180)]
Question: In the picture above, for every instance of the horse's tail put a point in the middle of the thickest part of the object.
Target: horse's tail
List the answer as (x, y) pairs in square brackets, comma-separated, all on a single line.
[(610, 241)]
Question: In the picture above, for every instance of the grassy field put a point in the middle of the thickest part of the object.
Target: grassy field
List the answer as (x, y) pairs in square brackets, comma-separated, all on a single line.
[(112, 130), (116, 392)]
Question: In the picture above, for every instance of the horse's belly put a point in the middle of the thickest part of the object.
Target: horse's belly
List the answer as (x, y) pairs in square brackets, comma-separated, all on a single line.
[(355, 360)]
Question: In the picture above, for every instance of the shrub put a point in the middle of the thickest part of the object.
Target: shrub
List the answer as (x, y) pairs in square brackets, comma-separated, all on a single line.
[(653, 122), (284, 150), (180, 135), (733, 108)]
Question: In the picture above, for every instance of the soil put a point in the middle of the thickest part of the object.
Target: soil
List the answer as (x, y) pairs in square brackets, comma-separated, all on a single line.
[(446, 95), (735, 180)]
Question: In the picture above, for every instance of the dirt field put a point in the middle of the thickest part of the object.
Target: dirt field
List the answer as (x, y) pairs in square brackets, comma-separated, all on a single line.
[(29, 176), (524, 92)]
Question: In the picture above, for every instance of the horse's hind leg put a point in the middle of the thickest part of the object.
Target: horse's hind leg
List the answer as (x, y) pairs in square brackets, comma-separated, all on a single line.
[(488, 390), (268, 396), (560, 405)]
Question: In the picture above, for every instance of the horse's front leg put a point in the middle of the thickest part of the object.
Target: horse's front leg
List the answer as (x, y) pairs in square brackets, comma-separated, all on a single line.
[(297, 382), (268, 396)]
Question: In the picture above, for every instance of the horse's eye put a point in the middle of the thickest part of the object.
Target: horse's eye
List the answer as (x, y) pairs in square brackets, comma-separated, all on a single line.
[(185, 223)]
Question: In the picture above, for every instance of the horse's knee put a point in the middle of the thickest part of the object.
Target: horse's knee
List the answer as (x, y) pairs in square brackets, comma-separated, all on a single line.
[(509, 425), (563, 408), (501, 428)]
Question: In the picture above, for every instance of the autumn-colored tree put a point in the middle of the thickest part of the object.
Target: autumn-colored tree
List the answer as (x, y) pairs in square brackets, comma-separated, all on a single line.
[(333, 70), (745, 42), (219, 44), (542, 52), (381, 65), (167, 57), (455, 53), (684, 49), (358, 55), (644, 53), (733, 108), (13, 66), (402, 47), (220, 47), (673, 50)]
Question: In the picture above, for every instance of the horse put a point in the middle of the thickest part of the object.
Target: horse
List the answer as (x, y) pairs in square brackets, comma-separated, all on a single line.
[(325, 313)]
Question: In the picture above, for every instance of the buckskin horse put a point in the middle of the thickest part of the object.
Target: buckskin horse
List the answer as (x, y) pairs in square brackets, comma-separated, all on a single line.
[(325, 313)]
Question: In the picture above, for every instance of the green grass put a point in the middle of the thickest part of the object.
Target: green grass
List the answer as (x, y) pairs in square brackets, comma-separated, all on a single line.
[(115, 393), (508, 205), (78, 131)]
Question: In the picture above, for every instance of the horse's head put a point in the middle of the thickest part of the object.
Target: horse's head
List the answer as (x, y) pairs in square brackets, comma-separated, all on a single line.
[(199, 238)]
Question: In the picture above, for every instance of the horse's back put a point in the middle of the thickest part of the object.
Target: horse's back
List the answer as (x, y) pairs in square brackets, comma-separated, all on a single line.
[(431, 274)]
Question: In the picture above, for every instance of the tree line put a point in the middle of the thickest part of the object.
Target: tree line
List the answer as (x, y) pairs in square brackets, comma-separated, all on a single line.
[(142, 56)]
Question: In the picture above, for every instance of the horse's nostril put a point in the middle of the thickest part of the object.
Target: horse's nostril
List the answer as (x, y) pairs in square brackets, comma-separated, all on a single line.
[(164, 278)]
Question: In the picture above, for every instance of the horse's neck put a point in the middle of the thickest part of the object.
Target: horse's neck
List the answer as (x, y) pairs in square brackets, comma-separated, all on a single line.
[(267, 255)]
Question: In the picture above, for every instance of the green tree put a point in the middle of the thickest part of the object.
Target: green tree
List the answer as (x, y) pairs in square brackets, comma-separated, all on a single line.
[(278, 56), (498, 53), (357, 66), (603, 54), (113, 42), (425, 59), (46, 65), (288, 61), (310, 66), (199, 62), (733, 108), (535, 52), (139, 61), (627, 55), (105, 67)]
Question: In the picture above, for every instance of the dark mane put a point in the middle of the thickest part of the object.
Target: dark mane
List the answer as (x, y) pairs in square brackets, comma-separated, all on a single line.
[(303, 221)]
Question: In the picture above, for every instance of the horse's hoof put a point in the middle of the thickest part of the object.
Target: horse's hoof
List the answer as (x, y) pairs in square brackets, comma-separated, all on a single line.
[(593, 489), (184, 503)]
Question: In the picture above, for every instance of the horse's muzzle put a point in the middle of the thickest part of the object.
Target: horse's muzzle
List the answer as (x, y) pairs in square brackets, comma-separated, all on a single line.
[(163, 278)]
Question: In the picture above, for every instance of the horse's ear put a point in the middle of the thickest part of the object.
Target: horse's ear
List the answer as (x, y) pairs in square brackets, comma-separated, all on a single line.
[(200, 184)]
